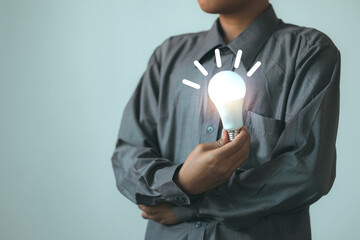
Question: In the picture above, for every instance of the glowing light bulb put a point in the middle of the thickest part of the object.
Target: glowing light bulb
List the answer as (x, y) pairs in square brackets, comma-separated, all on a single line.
[(227, 91)]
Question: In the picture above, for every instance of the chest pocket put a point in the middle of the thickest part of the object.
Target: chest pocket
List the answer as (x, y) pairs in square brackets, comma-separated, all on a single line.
[(264, 133)]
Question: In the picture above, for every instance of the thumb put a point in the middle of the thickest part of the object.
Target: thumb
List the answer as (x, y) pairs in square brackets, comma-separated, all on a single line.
[(223, 140)]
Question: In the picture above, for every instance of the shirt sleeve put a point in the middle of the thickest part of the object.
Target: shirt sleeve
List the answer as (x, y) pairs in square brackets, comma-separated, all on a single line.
[(142, 175), (301, 167)]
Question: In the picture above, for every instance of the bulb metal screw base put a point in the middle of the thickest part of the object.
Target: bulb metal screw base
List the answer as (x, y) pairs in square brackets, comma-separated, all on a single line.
[(233, 134)]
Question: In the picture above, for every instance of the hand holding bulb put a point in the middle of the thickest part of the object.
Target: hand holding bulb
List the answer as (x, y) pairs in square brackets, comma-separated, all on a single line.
[(211, 164)]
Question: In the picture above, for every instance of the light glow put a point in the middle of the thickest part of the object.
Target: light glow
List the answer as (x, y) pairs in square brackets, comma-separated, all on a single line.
[(253, 69), (229, 94), (191, 84), (218, 58), (201, 68), (238, 59)]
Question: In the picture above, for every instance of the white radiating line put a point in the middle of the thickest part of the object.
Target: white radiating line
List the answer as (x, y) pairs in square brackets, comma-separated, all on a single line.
[(237, 59), (218, 58), (253, 69), (191, 84), (201, 68)]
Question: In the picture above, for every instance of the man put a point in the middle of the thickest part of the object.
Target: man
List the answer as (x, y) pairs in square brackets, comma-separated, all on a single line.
[(260, 185)]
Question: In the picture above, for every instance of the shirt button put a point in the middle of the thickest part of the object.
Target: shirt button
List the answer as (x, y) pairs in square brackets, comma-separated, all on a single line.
[(198, 224), (210, 129)]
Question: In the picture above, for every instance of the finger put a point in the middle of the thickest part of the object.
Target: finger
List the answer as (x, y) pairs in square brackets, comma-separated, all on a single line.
[(224, 137), (218, 144), (241, 156), (144, 215), (242, 137), (143, 207), (243, 141), (223, 140), (147, 209), (234, 146)]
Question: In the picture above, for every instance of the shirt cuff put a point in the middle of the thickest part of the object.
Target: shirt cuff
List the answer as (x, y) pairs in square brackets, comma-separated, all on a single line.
[(169, 190), (185, 213)]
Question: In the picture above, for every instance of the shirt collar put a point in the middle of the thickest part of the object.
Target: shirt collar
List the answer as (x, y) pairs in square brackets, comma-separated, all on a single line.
[(250, 41)]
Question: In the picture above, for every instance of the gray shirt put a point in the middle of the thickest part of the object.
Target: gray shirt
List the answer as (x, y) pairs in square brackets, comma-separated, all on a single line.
[(291, 110)]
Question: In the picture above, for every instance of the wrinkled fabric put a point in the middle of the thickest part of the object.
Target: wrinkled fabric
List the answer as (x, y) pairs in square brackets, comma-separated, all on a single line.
[(291, 109)]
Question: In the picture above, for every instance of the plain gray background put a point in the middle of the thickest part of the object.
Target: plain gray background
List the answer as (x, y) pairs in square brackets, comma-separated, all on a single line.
[(67, 69)]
